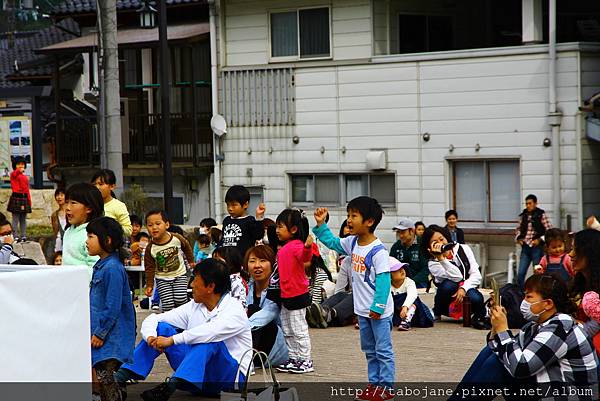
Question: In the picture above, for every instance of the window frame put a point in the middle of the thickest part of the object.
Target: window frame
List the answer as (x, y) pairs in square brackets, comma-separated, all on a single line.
[(297, 57), (342, 201), (487, 193)]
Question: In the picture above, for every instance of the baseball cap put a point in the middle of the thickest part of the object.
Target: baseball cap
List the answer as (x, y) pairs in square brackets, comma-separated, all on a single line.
[(396, 265), (404, 224)]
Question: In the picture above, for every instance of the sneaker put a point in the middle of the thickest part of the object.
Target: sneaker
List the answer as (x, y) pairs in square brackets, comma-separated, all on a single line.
[(305, 366), (328, 313), (367, 394), (480, 323), (437, 318), (285, 367), (162, 392), (319, 313), (155, 308), (382, 394), (311, 313), (404, 326)]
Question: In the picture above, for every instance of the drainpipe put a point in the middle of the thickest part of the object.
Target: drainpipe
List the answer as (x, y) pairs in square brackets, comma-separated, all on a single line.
[(215, 106), (554, 115)]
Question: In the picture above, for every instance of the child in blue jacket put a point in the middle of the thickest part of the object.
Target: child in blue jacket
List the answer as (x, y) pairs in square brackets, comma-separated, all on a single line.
[(112, 316)]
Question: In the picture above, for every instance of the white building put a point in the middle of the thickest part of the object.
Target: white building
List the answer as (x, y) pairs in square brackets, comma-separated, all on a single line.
[(425, 105)]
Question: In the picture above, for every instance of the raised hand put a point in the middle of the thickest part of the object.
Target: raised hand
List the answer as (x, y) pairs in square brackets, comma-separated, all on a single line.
[(260, 210), (320, 215), (309, 242)]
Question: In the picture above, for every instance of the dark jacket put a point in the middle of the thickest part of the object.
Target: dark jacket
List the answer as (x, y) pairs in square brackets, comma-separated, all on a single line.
[(536, 221), (460, 234), (418, 264)]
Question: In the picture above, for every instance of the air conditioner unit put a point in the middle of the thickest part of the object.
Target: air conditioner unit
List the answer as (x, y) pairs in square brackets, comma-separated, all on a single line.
[(377, 160)]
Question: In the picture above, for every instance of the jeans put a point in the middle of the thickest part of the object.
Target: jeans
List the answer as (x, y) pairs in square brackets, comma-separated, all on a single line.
[(343, 304), (528, 255), (376, 343), (486, 373), (443, 299)]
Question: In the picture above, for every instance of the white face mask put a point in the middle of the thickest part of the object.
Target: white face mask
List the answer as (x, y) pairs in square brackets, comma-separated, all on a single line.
[(265, 240), (203, 230), (527, 313)]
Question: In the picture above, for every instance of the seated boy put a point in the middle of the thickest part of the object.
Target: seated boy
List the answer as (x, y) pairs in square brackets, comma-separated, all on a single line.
[(407, 305), (204, 340)]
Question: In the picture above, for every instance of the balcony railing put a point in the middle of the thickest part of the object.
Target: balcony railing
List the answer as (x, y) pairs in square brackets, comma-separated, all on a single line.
[(77, 140)]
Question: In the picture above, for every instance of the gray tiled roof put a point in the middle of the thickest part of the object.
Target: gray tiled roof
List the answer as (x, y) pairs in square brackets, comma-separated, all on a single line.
[(23, 52), (71, 7)]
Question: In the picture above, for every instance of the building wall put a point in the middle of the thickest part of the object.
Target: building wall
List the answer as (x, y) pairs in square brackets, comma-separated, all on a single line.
[(590, 150), (496, 100), (247, 28)]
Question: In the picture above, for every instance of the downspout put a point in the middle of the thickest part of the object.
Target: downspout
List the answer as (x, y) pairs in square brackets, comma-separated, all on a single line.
[(554, 115), (215, 106)]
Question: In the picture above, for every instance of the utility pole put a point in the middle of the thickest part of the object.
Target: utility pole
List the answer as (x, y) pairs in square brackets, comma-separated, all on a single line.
[(112, 97), (165, 106)]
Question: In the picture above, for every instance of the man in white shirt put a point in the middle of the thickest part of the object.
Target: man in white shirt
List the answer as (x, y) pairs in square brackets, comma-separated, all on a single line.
[(204, 340)]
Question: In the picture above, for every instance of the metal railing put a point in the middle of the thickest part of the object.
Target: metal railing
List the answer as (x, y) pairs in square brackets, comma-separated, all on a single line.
[(77, 140)]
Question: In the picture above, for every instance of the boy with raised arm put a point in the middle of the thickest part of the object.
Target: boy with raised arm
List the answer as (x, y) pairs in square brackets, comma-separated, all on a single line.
[(371, 283)]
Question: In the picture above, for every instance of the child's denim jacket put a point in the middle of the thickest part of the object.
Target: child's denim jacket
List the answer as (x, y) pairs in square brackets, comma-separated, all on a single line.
[(112, 316)]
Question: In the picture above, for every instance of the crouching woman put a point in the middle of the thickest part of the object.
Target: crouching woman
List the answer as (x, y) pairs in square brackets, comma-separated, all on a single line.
[(552, 352)]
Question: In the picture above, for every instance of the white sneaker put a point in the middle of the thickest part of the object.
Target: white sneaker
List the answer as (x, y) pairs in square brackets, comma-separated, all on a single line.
[(305, 366), (286, 366)]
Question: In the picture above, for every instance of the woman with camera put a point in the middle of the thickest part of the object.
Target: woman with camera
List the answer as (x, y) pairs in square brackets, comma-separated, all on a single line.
[(456, 275)]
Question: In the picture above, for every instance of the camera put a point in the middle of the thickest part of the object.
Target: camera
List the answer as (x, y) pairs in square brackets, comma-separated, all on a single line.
[(446, 248)]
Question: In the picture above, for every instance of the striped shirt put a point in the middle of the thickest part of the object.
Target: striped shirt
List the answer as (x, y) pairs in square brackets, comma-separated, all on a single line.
[(556, 351)]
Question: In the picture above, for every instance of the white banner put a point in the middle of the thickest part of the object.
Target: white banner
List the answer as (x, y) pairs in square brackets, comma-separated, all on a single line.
[(45, 332)]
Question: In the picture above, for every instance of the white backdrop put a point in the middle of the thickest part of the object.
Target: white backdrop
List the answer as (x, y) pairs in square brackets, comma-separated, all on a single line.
[(45, 331)]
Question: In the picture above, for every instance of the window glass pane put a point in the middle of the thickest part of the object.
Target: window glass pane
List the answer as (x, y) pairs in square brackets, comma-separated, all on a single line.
[(412, 33), (302, 188), (284, 34), (356, 185), (440, 33), (383, 188), (469, 190), (314, 32), (327, 189), (505, 187)]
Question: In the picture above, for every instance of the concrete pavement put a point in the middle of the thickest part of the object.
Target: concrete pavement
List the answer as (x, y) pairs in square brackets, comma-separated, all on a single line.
[(439, 354)]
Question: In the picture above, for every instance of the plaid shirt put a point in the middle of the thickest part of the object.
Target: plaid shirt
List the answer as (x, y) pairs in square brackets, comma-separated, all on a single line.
[(556, 351), (530, 231)]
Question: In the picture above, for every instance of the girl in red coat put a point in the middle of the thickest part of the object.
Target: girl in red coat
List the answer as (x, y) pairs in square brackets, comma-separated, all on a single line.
[(20, 200)]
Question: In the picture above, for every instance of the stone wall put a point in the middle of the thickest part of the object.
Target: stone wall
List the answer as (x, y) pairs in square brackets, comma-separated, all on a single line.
[(42, 205)]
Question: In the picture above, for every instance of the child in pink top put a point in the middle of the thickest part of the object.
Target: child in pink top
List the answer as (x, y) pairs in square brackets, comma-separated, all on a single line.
[(556, 260), (292, 230)]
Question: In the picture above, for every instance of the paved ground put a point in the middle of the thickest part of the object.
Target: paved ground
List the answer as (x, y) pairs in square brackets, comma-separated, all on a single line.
[(422, 355)]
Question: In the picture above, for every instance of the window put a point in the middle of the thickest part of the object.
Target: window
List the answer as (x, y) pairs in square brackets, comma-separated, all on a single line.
[(339, 189), (424, 33), (303, 33), (487, 191)]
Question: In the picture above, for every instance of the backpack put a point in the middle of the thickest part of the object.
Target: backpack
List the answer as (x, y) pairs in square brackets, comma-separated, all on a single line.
[(368, 260), (511, 298)]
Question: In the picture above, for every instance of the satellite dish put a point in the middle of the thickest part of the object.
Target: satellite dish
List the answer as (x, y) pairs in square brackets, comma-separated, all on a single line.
[(218, 125)]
